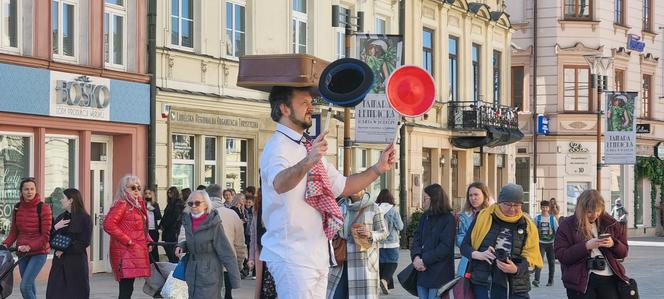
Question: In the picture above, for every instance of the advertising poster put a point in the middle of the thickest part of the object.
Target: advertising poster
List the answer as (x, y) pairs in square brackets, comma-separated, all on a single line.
[(620, 134)]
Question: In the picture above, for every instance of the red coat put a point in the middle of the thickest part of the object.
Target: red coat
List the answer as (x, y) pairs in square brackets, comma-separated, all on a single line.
[(125, 222), (25, 230), (570, 250)]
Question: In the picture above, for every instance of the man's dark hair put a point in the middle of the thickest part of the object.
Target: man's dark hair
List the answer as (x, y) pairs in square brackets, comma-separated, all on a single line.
[(200, 187), (544, 203), (283, 95), (214, 190), (251, 189)]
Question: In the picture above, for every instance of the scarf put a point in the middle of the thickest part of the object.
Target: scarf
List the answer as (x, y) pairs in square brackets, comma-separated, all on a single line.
[(318, 194), (483, 224), (353, 209)]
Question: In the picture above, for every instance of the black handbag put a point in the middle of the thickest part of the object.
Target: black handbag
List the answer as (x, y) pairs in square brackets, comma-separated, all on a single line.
[(408, 279), (60, 242), (628, 290)]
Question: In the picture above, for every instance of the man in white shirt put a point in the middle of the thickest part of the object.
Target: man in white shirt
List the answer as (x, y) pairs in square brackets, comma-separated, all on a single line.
[(295, 246)]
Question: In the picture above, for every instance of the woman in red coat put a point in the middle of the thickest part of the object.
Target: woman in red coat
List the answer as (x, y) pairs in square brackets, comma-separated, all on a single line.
[(589, 246), (126, 222), (31, 238)]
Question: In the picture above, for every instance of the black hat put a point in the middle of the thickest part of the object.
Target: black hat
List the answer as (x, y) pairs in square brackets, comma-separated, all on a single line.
[(511, 193), (345, 82)]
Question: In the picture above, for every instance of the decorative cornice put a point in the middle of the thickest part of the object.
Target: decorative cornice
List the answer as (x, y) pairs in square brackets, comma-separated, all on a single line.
[(516, 51), (578, 48), (480, 9), (648, 58), (501, 18), (621, 53)]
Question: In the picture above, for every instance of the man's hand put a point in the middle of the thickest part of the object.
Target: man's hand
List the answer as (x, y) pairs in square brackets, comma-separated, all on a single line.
[(486, 255), (318, 149), (386, 160), (178, 252), (418, 264), (507, 266)]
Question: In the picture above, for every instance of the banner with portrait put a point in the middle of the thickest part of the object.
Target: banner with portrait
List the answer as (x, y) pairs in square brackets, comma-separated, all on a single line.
[(375, 120), (620, 128)]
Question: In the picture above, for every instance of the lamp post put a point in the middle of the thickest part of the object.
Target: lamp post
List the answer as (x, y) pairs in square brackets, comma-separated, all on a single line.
[(599, 66), (347, 22)]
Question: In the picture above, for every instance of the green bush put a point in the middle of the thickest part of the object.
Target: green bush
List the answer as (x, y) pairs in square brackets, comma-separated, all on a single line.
[(413, 221)]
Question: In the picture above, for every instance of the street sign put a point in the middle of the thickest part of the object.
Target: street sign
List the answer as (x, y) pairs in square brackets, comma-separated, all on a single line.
[(542, 124), (634, 43), (642, 128)]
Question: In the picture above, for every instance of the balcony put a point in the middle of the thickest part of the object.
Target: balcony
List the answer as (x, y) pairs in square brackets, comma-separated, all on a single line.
[(500, 123)]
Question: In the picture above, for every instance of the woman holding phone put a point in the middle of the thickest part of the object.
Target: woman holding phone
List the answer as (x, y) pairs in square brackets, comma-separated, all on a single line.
[(589, 245)]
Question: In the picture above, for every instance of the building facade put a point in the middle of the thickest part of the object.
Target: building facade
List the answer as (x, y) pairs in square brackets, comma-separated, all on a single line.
[(568, 30), (75, 103)]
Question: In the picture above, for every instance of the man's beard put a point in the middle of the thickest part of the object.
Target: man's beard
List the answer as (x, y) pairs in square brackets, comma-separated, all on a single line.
[(300, 123)]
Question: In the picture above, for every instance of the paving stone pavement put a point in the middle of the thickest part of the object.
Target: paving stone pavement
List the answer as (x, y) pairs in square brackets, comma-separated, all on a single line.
[(645, 264)]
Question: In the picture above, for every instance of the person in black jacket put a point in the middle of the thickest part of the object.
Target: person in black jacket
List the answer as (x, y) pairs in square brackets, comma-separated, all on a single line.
[(171, 222), (432, 250), (154, 215), (68, 277)]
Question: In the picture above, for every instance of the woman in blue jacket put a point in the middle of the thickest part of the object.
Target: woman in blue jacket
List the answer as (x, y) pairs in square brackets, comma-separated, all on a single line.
[(389, 248), (432, 250), (477, 198)]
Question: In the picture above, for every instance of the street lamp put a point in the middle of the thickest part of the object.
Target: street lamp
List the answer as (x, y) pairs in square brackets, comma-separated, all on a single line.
[(347, 22), (599, 67)]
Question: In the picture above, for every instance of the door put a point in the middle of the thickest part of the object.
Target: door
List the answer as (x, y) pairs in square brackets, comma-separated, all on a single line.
[(101, 197)]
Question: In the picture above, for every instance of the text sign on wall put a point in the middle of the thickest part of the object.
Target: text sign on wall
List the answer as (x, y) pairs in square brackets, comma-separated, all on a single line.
[(78, 96), (210, 120)]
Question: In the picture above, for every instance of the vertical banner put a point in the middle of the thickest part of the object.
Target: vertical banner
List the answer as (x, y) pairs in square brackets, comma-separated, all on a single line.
[(375, 120), (620, 134)]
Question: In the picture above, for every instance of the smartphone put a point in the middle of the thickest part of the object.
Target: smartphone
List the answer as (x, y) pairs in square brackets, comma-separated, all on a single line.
[(604, 236)]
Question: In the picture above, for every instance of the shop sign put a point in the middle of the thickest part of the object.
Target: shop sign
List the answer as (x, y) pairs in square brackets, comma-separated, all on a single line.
[(634, 43), (214, 121), (78, 96), (575, 148), (642, 128), (578, 164), (542, 124)]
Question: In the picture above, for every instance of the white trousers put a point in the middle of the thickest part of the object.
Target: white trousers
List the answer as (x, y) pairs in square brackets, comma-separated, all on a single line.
[(297, 282)]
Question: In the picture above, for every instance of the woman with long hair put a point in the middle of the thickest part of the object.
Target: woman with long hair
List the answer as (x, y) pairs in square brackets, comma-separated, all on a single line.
[(31, 230), (126, 224), (432, 250), (265, 287), (389, 248), (590, 246), (171, 222), (69, 277), (477, 198)]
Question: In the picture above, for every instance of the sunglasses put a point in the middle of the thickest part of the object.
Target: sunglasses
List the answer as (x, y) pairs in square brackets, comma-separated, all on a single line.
[(135, 188), (194, 203)]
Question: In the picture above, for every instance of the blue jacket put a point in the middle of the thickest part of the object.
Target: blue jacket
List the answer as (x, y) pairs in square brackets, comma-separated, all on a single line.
[(433, 242), (465, 219), (394, 225)]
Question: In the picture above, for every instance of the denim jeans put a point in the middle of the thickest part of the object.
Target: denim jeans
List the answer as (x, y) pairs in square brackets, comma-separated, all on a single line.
[(29, 267), (426, 293)]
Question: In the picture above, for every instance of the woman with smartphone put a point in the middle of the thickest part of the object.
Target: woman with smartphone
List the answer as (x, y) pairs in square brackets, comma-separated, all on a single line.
[(589, 245)]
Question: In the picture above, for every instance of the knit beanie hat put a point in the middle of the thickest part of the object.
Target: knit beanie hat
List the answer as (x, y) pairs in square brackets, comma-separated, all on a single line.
[(511, 193)]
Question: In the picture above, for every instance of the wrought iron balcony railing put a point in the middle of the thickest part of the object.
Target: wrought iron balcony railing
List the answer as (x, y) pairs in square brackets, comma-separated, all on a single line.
[(479, 115)]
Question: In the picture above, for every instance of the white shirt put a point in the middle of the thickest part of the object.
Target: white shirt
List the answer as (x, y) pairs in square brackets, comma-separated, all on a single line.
[(151, 222), (294, 230), (595, 253)]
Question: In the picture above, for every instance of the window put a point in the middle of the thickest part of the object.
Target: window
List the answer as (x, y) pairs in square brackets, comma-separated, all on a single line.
[(576, 95), (517, 87), (340, 33), (182, 156), (235, 32), (427, 50), (522, 177), (454, 68), (619, 80), (236, 163), (645, 96), (477, 167), (574, 189), (15, 157), (426, 167), (475, 55), (64, 28), (380, 26), (114, 32), (9, 25), (496, 77), (299, 26), (210, 160), (182, 23), (59, 169), (619, 12), (578, 9), (647, 15)]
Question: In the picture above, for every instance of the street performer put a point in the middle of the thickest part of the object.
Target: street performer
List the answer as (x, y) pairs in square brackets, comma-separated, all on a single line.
[(299, 190)]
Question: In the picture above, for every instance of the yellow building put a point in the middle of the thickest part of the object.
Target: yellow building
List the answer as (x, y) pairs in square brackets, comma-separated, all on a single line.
[(209, 130)]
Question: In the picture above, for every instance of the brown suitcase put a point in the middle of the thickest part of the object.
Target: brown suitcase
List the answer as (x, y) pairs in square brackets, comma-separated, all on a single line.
[(261, 72)]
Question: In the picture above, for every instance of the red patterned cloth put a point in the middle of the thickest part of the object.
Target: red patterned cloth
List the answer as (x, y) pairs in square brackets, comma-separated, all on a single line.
[(319, 195)]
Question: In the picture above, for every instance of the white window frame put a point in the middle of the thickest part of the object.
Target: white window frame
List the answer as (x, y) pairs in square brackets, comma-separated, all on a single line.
[(76, 153), (59, 55), (5, 46), (231, 42), (380, 19), (180, 18), (191, 162), (299, 17), (207, 162), (113, 10), (31, 160)]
